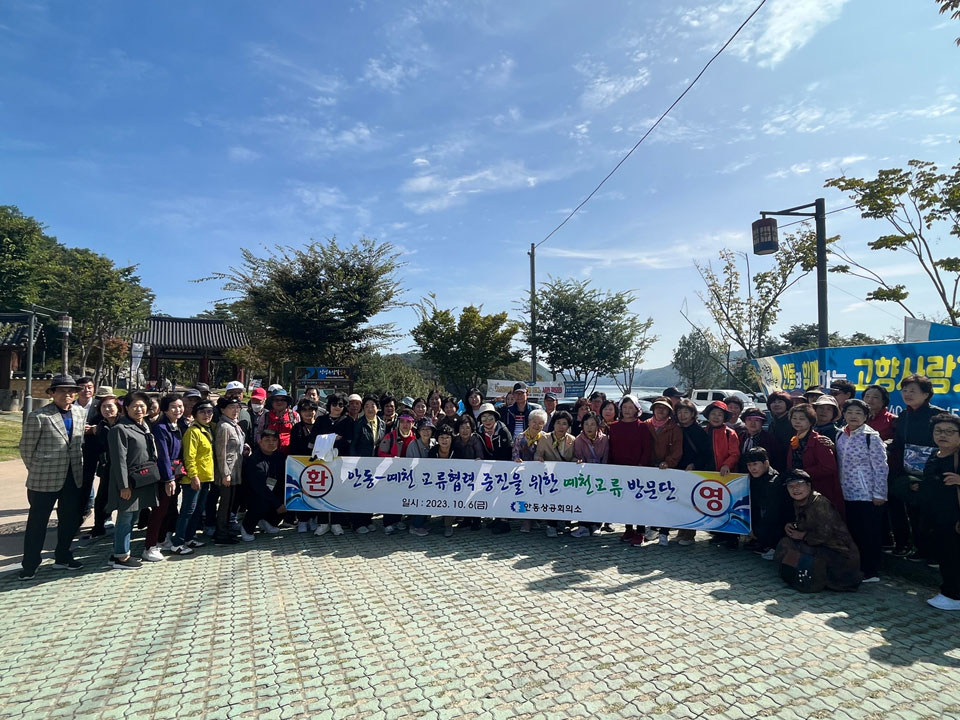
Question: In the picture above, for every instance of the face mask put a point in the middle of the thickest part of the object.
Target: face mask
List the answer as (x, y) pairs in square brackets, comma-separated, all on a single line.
[(256, 407)]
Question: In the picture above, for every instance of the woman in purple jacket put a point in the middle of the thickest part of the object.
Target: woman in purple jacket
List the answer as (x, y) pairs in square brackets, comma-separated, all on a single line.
[(169, 437)]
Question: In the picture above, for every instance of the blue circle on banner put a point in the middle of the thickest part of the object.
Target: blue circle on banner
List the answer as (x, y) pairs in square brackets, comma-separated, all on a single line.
[(316, 481), (711, 498)]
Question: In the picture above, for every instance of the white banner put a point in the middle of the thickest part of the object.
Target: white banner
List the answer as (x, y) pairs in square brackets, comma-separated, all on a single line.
[(496, 388), (527, 491), (136, 356)]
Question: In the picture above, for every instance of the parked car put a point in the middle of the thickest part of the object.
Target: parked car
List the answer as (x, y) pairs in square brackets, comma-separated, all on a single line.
[(702, 398)]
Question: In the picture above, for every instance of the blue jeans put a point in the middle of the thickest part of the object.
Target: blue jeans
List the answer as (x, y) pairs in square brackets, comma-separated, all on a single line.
[(191, 513), (121, 533)]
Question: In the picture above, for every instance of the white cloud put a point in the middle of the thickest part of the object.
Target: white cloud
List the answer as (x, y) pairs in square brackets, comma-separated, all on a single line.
[(421, 162), (603, 88), (802, 118), (673, 255), (497, 73), (736, 165), (828, 165), (285, 68), (382, 74), (318, 197), (238, 153), (780, 27), (581, 133), (435, 192)]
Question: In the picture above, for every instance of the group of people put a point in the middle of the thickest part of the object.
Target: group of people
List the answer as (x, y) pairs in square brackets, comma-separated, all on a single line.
[(833, 478)]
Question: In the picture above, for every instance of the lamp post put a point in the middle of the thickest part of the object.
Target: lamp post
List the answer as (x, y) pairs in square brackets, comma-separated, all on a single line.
[(765, 242), (66, 325)]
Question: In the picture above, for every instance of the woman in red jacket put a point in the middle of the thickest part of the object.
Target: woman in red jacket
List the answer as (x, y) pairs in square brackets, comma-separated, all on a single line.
[(811, 451), (726, 444), (726, 454)]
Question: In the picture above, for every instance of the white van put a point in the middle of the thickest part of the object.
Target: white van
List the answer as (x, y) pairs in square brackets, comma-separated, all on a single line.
[(702, 398)]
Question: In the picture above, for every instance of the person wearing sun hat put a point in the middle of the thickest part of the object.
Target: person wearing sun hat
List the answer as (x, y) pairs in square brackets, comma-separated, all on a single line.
[(278, 416), (51, 447), (818, 551), (667, 443), (726, 453), (828, 413)]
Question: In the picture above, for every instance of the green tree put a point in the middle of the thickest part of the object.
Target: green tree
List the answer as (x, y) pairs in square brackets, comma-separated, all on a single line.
[(920, 203), (746, 321), (583, 333), (952, 7), (104, 300), (25, 259), (695, 360), (465, 350), (378, 374), (315, 304), (642, 342), (804, 336)]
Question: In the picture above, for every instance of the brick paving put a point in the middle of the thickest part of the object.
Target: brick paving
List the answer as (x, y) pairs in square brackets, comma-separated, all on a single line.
[(475, 626)]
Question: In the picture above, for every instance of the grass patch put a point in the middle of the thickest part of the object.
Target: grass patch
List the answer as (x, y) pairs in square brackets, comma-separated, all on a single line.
[(9, 439)]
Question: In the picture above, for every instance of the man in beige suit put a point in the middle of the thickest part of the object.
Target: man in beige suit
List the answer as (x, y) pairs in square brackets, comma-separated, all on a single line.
[(51, 448)]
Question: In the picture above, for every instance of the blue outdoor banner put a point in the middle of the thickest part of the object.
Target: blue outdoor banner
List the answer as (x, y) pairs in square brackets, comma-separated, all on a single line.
[(525, 491), (883, 365)]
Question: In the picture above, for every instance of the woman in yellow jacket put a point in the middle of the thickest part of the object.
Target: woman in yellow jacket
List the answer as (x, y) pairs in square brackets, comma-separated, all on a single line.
[(198, 463)]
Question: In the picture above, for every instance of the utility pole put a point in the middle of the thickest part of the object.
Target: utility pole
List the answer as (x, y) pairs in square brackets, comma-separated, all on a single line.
[(533, 312)]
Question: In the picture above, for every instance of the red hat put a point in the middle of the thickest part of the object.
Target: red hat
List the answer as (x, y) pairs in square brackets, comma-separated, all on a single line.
[(719, 404), (258, 394)]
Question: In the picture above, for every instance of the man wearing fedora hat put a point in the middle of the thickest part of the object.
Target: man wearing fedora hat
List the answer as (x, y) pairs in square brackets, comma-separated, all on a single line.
[(52, 449)]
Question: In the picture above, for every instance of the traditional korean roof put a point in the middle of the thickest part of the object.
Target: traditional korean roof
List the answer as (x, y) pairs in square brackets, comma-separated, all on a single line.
[(172, 333), (14, 335)]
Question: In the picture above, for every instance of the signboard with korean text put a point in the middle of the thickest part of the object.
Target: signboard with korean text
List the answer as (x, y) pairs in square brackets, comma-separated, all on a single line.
[(527, 491), (883, 365), (499, 388), (327, 379)]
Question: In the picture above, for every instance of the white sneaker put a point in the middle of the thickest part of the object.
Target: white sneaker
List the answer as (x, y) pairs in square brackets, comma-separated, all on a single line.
[(245, 536), (872, 579), (313, 524), (108, 524), (322, 530), (167, 544), (596, 530), (268, 528), (768, 555), (401, 526), (942, 602), (181, 550), (302, 527), (650, 534), (372, 527), (580, 532), (551, 531), (389, 529), (363, 530), (525, 526), (336, 529), (152, 554), (419, 531), (664, 540)]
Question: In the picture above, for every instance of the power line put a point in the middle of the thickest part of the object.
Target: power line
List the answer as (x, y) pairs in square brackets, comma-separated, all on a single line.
[(654, 126), (874, 306), (797, 222)]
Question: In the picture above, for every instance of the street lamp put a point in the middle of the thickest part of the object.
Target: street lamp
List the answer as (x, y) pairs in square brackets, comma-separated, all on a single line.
[(765, 242), (66, 325)]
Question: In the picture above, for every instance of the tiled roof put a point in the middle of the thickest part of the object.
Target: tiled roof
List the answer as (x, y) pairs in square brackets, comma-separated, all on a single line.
[(191, 334), (15, 334)]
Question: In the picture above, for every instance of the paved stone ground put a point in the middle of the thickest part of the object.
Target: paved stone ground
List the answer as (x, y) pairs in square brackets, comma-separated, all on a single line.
[(475, 626)]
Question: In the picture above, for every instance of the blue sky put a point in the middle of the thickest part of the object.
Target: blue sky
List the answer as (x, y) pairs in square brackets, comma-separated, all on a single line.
[(173, 135)]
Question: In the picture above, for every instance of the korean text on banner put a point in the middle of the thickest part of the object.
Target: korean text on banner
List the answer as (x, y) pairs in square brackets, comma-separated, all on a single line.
[(865, 365), (528, 491), (496, 388)]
